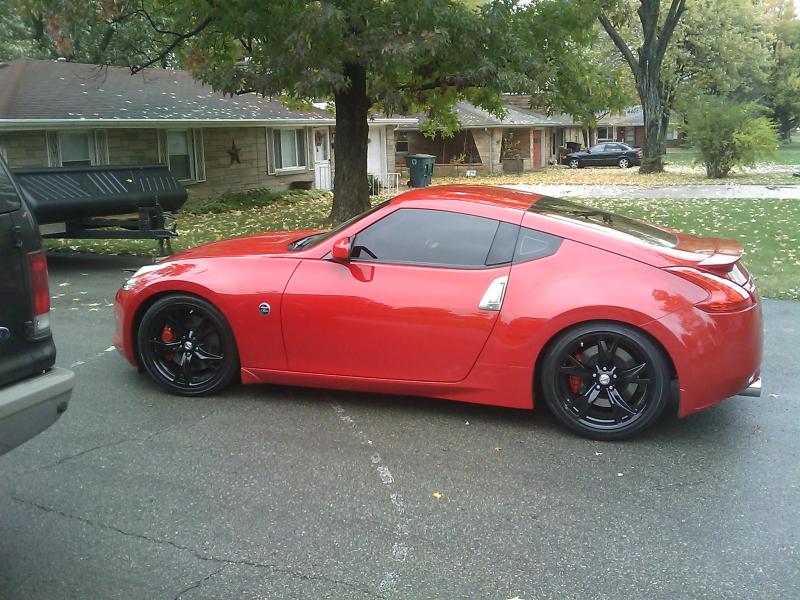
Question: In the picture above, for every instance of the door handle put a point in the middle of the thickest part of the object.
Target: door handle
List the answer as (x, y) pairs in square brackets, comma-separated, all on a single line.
[(493, 297)]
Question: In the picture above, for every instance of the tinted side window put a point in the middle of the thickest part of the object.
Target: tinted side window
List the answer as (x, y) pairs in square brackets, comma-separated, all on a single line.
[(598, 148), (532, 244), (427, 237), (8, 195)]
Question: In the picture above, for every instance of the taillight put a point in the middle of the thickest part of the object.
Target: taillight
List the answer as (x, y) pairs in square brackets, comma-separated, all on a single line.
[(37, 266), (723, 294), (638, 154)]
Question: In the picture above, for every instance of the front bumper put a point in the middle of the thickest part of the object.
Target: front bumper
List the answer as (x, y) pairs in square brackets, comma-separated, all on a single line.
[(29, 407)]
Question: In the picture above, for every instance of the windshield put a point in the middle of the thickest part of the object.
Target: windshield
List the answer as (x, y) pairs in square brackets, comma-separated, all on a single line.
[(576, 212), (312, 240)]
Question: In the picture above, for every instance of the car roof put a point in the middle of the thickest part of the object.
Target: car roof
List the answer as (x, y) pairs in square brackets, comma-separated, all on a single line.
[(480, 194)]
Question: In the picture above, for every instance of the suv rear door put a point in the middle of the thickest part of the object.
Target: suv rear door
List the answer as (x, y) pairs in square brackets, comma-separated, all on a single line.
[(22, 352)]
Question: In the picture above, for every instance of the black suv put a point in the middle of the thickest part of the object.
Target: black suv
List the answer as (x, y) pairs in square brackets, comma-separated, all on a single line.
[(33, 393)]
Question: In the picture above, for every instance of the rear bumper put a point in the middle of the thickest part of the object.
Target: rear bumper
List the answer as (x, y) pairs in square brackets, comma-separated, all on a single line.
[(753, 390), (29, 407), (716, 356)]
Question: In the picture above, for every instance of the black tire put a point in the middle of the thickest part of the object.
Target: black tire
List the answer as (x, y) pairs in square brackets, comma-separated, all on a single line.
[(201, 359), (574, 163), (624, 162), (581, 376)]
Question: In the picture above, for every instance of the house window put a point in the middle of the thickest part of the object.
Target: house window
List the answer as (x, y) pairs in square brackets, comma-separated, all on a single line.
[(672, 133), (289, 147), (180, 158), (76, 149), (605, 134), (401, 142)]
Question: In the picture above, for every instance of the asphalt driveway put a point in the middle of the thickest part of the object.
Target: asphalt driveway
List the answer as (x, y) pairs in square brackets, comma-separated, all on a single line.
[(274, 492)]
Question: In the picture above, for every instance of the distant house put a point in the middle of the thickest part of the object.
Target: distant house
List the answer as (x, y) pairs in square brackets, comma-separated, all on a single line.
[(487, 144), (55, 113)]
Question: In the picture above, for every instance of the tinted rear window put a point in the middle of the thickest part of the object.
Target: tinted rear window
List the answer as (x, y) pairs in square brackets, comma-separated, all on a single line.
[(584, 214)]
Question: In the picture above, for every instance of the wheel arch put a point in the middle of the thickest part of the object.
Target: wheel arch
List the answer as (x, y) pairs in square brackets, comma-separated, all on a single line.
[(196, 291), (554, 335)]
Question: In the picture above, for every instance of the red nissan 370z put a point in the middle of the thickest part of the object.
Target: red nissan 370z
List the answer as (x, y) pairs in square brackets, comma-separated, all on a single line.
[(478, 294)]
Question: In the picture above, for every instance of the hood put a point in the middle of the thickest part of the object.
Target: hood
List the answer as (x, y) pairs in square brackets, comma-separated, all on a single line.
[(251, 245)]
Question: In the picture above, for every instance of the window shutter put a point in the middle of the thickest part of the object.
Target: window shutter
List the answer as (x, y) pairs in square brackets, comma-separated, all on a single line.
[(199, 155), (310, 146), (101, 147), (53, 149), (270, 151), (162, 147)]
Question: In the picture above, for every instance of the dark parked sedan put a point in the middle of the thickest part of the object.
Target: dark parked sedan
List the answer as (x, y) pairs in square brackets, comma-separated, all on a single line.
[(606, 154)]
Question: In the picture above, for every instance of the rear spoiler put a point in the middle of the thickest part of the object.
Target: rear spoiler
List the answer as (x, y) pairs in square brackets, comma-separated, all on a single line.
[(719, 261)]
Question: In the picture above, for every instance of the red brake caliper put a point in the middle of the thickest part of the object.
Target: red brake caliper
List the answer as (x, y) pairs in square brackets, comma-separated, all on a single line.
[(167, 336), (575, 381)]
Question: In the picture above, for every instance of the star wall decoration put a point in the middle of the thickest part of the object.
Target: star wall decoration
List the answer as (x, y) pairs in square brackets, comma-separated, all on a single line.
[(233, 152)]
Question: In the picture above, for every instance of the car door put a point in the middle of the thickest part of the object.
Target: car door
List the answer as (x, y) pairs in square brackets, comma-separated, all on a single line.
[(612, 154), (414, 302), (596, 155)]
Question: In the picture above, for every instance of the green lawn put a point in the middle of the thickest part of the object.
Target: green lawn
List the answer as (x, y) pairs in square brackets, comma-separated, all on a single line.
[(788, 154), (767, 228)]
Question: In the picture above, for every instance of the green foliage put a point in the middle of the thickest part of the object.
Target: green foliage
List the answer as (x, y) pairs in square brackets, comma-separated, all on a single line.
[(783, 95), (729, 134)]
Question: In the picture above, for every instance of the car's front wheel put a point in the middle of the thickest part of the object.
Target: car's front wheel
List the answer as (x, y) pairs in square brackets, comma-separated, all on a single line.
[(624, 162), (607, 381), (574, 163), (187, 346)]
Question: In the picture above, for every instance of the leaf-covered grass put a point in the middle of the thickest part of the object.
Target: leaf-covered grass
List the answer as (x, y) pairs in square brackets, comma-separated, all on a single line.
[(675, 176), (788, 154), (767, 228)]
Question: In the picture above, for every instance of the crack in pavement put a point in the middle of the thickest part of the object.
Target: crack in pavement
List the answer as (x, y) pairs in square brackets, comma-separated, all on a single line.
[(199, 582), (145, 438), (199, 555)]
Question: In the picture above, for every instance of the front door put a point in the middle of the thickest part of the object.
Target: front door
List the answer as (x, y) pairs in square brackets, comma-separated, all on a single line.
[(376, 153), (411, 304), (322, 159)]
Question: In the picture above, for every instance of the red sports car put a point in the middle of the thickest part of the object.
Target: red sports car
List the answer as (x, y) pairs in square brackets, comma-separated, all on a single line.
[(479, 294)]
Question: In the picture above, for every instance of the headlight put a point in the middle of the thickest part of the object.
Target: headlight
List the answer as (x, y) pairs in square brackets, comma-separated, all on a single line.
[(142, 271)]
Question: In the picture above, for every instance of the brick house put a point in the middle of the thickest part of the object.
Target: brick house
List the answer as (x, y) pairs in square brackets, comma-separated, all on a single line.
[(55, 113), (485, 142)]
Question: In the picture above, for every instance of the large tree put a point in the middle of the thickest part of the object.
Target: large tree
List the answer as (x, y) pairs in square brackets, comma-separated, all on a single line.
[(645, 54), (783, 95), (365, 55)]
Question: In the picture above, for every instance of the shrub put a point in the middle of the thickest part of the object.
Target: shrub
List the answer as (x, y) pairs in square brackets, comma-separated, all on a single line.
[(729, 134)]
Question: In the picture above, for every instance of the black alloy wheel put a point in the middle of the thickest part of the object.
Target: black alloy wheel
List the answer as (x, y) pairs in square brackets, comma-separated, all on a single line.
[(574, 163), (607, 381), (624, 162), (187, 346)]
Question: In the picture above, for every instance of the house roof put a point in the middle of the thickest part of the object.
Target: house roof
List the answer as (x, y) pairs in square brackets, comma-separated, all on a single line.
[(472, 117), (44, 92)]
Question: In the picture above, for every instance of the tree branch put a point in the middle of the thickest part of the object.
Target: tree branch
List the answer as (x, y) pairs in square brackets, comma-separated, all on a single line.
[(676, 9), (619, 42), (179, 39)]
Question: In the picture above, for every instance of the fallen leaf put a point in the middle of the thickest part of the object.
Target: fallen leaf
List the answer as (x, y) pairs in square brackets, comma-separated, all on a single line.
[(598, 454), (466, 422), (64, 284), (498, 450), (774, 395), (619, 474), (438, 495)]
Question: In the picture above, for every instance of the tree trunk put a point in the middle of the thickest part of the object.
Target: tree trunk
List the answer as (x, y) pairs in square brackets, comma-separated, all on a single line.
[(653, 112), (350, 187)]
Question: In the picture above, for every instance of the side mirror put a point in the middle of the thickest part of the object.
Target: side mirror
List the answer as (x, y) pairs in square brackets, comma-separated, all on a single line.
[(341, 250)]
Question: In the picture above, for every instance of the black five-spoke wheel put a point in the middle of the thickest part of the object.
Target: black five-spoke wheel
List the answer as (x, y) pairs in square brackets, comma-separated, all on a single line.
[(605, 380), (186, 345)]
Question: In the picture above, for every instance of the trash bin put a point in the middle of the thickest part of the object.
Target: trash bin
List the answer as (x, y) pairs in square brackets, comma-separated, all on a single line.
[(420, 167)]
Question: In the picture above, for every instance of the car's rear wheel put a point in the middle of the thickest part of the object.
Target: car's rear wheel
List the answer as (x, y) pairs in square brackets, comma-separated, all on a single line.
[(187, 346), (574, 163), (624, 163), (607, 381)]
